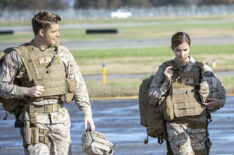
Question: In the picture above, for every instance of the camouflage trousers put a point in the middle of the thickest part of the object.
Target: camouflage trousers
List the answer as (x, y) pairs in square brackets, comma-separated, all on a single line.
[(58, 125), (186, 141)]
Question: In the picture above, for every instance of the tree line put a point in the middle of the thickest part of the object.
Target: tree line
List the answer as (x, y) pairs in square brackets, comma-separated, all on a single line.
[(104, 4), (110, 4)]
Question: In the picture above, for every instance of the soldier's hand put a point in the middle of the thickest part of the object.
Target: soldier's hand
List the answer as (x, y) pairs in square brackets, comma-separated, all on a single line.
[(212, 103), (168, 73), (89, 121), (34, 91)]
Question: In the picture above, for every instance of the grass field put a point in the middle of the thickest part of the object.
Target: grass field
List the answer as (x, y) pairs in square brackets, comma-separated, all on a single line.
[(118, 88), (144, 60), (136, 28), (168, 19), (140, 60)]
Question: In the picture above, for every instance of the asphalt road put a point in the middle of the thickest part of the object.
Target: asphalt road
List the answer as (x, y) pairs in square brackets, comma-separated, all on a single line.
[(119, 121)]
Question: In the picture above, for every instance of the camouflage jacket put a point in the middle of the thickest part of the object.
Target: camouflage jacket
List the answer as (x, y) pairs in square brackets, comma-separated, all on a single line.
[(13, 65), (209, 85)]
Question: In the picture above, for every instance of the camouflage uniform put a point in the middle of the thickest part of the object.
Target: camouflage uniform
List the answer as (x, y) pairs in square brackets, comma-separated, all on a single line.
[(189, 135), (58, 123)]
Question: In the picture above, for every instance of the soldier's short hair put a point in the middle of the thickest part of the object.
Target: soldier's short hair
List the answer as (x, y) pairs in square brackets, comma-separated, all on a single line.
[(43, 20)]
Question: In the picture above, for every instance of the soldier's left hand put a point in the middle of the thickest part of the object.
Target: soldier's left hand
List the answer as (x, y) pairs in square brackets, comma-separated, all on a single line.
[(88, 120), (211, 104)]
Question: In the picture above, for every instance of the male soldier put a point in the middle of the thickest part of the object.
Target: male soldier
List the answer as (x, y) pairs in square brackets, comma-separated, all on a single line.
[(48, 77)]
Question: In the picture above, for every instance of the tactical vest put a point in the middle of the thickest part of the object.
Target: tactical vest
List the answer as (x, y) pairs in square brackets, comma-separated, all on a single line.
[(183, 99), (41, 68), (46, 69), (39, 72)]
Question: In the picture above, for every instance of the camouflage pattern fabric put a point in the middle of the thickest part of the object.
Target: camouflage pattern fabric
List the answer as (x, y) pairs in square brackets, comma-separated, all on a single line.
[(57, 123), (13, 66), (211, 87), (95, 143), (186, 140), (59, 126)]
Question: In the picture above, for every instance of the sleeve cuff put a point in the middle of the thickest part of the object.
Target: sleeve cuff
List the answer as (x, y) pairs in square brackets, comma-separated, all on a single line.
[(20, 92), (87, 112), (164, 87)]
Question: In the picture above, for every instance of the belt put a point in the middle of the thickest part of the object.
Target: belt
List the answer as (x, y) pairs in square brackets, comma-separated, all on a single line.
[(48, 108), (192, 124), (30, 99)]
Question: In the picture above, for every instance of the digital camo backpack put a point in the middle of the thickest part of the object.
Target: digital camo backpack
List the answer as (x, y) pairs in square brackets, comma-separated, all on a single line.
[(151, 116), (9, 105)]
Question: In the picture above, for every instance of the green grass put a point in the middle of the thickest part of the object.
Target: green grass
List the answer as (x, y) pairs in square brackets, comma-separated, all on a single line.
[(25, 37), (130, 20), (138, 28), (145, 20), (131, 87), (117, 53), (113, 88), (15, 23), (146, 60), (163, 30), (150, 51)]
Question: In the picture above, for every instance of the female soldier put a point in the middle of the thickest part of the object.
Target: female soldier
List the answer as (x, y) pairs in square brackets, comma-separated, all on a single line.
[(192, 91)]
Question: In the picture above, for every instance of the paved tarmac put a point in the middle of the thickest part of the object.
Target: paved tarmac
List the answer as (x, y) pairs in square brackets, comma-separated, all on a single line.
[(119, 121)]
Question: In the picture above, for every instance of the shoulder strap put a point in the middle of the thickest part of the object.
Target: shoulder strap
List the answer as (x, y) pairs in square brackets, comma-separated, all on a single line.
[(4, 52), (199, 64), (29, 65)]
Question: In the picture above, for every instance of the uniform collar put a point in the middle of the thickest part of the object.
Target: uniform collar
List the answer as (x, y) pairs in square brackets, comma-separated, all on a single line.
[(188, 66), (50, 48)]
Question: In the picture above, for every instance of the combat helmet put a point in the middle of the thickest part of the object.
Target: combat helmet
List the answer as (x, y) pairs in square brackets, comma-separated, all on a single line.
[(95, 143)]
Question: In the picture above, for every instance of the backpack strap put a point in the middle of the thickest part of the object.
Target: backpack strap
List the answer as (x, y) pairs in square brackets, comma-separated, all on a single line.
[(29, 65), (169, 63), (199, 64)]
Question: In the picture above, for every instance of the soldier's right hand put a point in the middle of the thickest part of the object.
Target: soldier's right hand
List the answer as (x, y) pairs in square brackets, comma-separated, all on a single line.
[(168, 73), (34, 91)]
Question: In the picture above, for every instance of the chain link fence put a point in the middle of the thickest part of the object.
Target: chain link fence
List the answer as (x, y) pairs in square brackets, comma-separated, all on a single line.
[(11, 15)]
